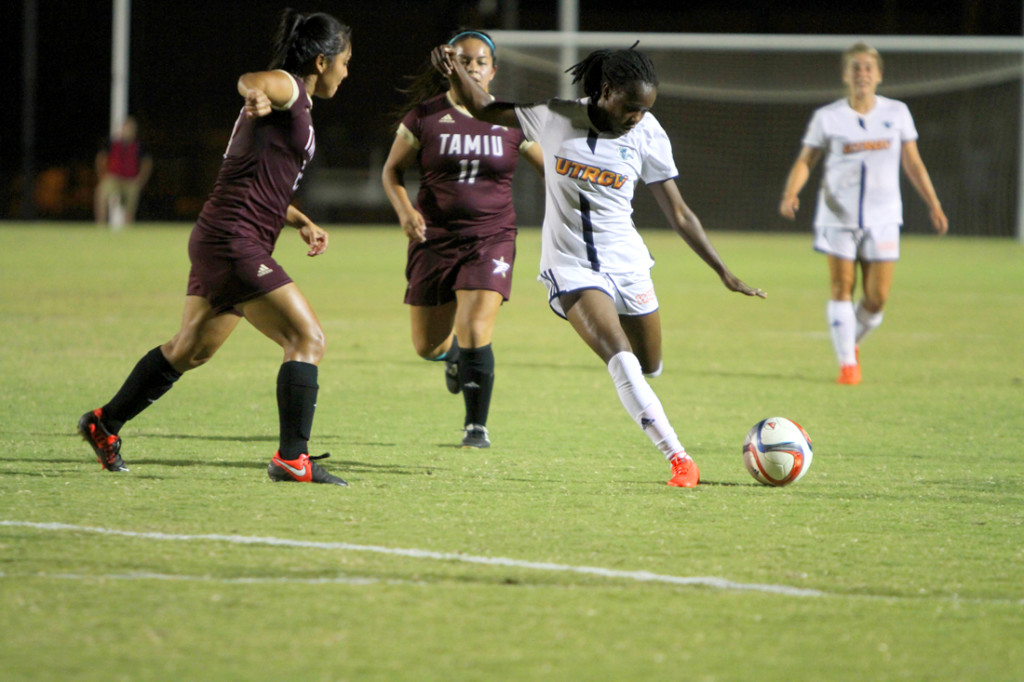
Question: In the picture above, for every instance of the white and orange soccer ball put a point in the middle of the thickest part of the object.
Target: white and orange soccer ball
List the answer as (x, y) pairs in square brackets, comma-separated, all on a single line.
[(777, 451)]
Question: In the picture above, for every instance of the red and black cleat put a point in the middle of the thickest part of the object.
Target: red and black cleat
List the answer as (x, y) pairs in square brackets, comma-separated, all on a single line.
[(106, 445)]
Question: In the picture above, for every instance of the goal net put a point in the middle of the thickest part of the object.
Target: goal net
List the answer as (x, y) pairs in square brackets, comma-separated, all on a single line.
[(736, 108)]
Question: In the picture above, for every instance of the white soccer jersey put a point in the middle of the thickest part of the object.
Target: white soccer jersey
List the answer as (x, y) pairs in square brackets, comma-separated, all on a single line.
[(861, 182), (589, 179)]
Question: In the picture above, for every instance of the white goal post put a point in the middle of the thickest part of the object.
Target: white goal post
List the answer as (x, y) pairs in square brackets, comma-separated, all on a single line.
[(736, 106)]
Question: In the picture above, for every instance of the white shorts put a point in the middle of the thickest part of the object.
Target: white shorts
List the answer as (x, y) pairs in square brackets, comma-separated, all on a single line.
[(632, 292), (852, 243)]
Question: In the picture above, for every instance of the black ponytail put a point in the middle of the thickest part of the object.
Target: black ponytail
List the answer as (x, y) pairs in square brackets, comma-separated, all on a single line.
[(301, 38), (620, 69)]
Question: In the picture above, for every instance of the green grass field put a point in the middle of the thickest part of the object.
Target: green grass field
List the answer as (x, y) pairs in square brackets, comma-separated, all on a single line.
[(558, 554)]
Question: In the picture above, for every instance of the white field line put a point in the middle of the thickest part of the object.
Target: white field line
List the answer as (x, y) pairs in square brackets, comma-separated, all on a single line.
[(638, 576)]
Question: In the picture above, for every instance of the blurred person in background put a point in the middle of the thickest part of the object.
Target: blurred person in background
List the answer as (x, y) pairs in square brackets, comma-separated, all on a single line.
[(865, 139), (123, 169)]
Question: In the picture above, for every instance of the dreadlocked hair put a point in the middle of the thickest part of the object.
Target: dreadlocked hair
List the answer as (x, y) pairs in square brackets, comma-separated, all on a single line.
[(618, 68)]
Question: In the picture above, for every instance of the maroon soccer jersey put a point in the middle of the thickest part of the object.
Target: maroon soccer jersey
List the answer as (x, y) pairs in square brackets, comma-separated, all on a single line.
[(123, 158), (466, 169), (261, 171)]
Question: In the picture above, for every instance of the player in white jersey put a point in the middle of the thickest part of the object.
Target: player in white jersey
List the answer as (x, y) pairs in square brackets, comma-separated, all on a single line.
[(593, 261), (865, 138)]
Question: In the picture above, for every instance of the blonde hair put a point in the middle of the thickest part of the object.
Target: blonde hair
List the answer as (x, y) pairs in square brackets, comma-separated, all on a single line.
[(861, 48)]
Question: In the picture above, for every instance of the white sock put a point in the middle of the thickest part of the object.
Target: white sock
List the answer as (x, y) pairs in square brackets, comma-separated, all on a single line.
[(866, 321), (642, 404), (842, 322)]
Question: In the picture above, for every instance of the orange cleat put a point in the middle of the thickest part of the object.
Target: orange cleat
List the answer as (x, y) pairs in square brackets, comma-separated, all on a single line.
[(849, 375), (301, 469), (685, 473)]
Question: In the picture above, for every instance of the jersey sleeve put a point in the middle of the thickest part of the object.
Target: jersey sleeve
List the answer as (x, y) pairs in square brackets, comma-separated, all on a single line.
[(295, 93), (658, 163), (407, 136), (411, 128), (908, 131), (815, 134), (532, 118)]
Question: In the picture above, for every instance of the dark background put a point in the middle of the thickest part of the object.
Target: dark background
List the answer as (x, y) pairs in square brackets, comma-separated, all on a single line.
[(186, 56)]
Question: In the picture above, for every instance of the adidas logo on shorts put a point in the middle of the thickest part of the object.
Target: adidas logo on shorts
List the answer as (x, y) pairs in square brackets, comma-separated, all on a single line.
[(263, 271)]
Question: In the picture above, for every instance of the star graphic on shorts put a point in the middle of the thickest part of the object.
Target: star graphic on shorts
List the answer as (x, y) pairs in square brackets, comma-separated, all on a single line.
[(500, 266)]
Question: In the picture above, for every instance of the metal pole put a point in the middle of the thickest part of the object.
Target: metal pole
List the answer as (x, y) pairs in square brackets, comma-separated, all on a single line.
[(1020, 150), (28, 108), (568, 25), (119, 88)]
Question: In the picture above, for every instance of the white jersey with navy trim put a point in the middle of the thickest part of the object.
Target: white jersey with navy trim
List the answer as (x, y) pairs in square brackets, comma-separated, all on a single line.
[(589, 182), (860, 186)]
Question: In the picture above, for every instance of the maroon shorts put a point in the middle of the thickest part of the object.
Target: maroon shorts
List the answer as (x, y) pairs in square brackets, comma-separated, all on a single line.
[(229, 272), (437, 268)]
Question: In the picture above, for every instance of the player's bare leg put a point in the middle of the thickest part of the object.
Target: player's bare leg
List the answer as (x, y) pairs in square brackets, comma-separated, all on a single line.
[(285, 316), (644, 333), (592, 314), (878, 276), (202, 332), (842, 319), (432, 329), (475, 316), (433, 337)]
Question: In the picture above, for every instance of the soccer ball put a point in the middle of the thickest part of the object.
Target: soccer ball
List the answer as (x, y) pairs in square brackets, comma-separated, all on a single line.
[(777, 451)]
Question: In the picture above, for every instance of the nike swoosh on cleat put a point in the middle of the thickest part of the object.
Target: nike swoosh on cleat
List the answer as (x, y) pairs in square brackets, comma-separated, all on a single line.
[(298, 473)]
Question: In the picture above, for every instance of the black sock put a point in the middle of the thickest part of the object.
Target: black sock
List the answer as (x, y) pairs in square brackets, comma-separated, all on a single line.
[(453, 352), (296, 403), (152, 377), (476, 373)]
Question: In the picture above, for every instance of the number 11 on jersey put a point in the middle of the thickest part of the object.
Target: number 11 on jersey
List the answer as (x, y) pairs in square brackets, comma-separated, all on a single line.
[(468, 170)]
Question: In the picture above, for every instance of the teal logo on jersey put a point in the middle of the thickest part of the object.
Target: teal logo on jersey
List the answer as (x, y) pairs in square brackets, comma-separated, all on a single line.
[(625, 153)]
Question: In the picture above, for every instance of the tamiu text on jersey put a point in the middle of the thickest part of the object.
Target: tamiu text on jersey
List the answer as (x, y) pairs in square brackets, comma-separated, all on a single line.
[(461, 144), (587, 173)]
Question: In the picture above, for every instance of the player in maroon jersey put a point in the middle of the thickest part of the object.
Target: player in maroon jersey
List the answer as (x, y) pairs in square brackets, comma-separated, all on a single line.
[(462, 230), (233, 274)]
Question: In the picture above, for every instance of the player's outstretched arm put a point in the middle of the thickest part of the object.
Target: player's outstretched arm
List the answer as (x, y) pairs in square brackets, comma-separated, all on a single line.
[(477, 100), (685, 222), (311, 233)]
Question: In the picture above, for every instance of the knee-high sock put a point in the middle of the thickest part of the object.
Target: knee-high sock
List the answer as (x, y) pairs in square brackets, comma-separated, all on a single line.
[(296, 403), (151, 378), (451, 355), (866, 321), (476, 374), (641, 403), (843, 325)]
